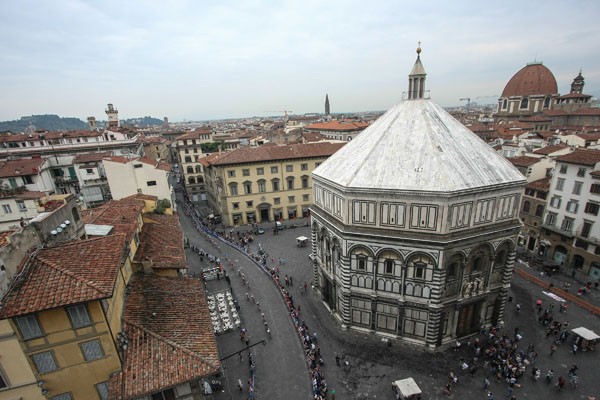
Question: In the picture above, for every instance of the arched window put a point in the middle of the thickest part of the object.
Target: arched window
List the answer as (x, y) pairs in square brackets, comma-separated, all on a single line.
[(526, 206), (200, 179), (233, 189), (524, 103), (198, 169), (247, 187), (188, 159), (547, 102), (504, 104), (191, 180), (190, 169), (262, 186), (419, 266)]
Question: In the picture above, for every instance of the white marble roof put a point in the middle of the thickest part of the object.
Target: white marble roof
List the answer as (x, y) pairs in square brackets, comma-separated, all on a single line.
[(417, 146)]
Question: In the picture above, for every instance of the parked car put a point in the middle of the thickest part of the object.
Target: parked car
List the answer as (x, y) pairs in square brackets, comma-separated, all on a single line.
[(312, 257)]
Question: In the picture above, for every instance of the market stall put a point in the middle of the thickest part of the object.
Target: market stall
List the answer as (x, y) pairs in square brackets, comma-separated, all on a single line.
[(585, 338), (406, 389)]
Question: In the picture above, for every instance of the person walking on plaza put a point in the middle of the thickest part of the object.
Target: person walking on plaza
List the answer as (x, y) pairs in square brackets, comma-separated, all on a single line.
[(486, 384)]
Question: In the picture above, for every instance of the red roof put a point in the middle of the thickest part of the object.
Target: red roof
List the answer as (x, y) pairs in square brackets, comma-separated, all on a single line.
[(196, 133), (122, 214), (335, 125), (533, 79), (90, 157), (161, 242), (76, 272), (21, 167), (523, 161), (170, 336), (541, 185), (550, 149), (581, 157), (274, 153)]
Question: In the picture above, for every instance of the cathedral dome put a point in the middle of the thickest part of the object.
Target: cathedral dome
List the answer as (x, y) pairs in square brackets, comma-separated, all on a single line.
[(417, 146), (533, 79)]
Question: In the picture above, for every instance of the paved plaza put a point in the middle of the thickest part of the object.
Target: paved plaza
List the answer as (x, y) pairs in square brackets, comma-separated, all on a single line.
[(368, 365)]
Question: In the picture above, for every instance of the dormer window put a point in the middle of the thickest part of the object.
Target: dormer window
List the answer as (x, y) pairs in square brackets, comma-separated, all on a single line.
[(524, 103)]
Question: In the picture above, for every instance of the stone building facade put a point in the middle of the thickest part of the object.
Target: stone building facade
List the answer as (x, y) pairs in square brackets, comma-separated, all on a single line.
[(414, 226)]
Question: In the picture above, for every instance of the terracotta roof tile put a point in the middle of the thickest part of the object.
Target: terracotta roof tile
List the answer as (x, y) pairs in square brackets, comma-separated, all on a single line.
[(274, 153), (72, 273), (195, 134), (162, 242), (550, 149), (523, 161), (21, 167), (170, 336), (31, 195), (122, 214), (335, 125), (534, 78), (90, 157), (542, 185), (4, 237), (581, 157)]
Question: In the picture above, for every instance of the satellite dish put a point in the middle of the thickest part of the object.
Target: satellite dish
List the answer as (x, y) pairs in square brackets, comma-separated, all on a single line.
[(63, 226), (53, 232), (59, 229)]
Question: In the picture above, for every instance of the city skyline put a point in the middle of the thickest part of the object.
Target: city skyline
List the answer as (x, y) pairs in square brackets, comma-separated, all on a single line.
[(217, 60)]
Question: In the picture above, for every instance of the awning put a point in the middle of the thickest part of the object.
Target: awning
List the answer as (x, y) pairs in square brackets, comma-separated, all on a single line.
[(585, 333), (407, 387), (301, 238)]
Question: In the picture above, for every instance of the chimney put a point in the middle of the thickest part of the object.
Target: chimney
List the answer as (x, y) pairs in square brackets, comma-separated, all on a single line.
[(147, 266)]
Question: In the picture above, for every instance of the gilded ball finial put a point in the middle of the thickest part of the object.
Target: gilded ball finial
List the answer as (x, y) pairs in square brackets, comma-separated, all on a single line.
[(419, 48)]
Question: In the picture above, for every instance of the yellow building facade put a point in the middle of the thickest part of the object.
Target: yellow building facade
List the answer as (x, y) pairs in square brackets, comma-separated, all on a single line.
[(259, 185), (17, 378)]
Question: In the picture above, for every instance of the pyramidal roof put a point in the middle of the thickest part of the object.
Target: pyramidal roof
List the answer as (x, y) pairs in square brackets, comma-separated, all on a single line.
[(418, 146)]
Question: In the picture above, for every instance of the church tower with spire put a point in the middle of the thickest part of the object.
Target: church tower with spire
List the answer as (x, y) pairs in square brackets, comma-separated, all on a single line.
[(327, 110), (577, 85), (416, 79)]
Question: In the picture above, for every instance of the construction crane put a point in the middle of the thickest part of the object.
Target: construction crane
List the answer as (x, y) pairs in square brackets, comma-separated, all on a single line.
[(468, 100)]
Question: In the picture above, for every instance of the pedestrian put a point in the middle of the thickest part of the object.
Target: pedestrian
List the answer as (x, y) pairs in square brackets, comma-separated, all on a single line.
[(552, 348), (486, 384), (561, 382), (291, 281), (241, 357), (337, 360), (549, 376), (240, 385), (509, 392), (575, 348), (305, 286), (490, 396)]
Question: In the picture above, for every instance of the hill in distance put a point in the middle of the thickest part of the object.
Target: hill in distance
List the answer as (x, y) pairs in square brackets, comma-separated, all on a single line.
[(55, 123)]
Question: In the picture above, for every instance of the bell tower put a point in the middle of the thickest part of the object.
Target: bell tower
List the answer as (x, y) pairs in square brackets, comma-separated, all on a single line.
[(577, 85), (113, 116)]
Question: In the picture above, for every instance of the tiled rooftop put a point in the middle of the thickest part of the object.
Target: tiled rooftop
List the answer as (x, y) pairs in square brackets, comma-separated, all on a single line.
[(335, 125), (21, 167), (162, 242), (121, 214), (523, 161), (90, 157), (582, 157), (71, 273), (550, 149), (273, 153), (542, 185), (170, 336)]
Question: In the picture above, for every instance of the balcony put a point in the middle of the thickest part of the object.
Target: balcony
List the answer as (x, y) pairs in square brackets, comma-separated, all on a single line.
[(7, 191), (559, 229), (65, 179)]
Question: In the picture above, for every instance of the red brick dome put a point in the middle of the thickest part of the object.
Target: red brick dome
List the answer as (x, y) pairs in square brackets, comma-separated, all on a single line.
[(532, 79)]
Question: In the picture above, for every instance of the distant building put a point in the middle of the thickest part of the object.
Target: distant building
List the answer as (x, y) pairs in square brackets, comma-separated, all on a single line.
[(414, 226), (189, 151), (113, 117), (327, 109), (571, 231), (337, 130), (263, 184), (131, 176), (532, 214)]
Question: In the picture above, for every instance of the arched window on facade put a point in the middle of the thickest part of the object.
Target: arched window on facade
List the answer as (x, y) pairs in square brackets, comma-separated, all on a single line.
[(233, 189), (190, 169), (504, 104), (524, 103), (547, 102), (198, 169), (191, 180), (526, 206)]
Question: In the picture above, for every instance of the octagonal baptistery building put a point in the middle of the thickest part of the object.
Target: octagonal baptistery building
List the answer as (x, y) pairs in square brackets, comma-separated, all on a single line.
[(414, 226)]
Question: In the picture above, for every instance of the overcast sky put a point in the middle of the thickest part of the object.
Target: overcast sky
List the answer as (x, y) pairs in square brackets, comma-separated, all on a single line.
[(214, 59)]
